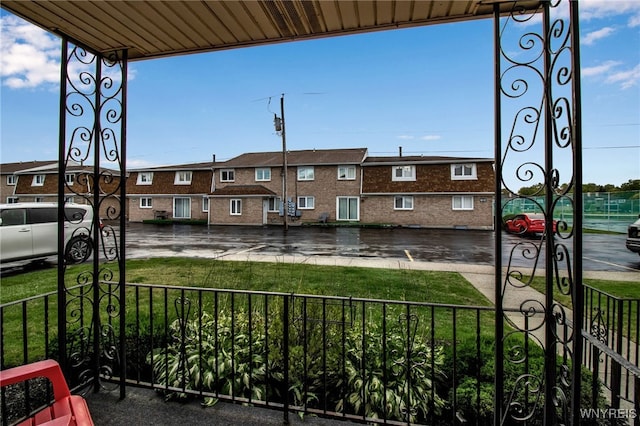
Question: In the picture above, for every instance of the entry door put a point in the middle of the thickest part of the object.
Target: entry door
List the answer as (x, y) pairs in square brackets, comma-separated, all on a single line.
[(265, 210), (182, 208), (348, 208)]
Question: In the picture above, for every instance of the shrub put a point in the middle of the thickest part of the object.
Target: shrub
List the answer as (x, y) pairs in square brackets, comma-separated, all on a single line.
[(204, 354), (470, 370), (394, 378)]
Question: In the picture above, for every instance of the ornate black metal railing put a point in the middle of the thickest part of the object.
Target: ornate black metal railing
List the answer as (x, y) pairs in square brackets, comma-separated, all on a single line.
[(366, 360), (613, 323), (538, 142), (92, 143)]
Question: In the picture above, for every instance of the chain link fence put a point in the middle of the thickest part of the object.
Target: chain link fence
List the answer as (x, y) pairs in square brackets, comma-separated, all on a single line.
[(603, 211)]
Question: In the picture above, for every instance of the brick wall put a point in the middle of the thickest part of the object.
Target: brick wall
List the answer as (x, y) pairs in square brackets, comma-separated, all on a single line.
[(325, 188), (5, 190), (429, 211), (137, 214), (251, 211)]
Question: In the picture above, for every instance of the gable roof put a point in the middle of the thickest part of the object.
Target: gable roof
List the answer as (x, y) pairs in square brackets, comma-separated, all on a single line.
[(11, 168), (242, 190), (153, 28), (419, 159), (309, 157), (207, 165)]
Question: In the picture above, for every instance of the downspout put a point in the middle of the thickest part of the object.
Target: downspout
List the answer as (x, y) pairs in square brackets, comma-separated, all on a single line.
[(212, 188)]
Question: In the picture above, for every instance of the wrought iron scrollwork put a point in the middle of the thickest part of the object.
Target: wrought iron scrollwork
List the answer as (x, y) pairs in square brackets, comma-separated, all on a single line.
[(91, 142), (535, 86)]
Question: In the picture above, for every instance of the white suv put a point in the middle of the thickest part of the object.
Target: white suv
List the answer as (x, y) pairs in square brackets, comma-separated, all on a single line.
[(29, 231)]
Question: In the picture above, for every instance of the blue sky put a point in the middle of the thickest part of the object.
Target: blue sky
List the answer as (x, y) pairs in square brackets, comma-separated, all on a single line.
[(428, 90)]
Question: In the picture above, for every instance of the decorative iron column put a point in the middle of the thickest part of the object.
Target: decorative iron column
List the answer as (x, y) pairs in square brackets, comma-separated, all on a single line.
[(92, 144), (538, 145)]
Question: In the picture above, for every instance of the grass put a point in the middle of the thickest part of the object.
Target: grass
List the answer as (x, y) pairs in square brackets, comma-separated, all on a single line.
[(369, 283), (617, 289), (418, 286)]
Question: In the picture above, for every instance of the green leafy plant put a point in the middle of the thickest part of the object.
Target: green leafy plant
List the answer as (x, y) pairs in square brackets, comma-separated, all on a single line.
[(213, 355), (391, 378)]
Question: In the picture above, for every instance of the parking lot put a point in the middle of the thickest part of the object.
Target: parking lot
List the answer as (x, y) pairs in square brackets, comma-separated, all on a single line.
[(602, 252)]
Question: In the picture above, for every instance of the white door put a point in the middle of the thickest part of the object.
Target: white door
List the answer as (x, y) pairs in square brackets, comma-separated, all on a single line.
[(265, 209)]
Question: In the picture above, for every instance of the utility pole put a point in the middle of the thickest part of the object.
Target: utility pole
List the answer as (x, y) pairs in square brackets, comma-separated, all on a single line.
[(279, 124)]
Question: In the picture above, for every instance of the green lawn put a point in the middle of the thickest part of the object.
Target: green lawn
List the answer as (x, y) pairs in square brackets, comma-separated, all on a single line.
[(419, 286), (364, 283), (619, 289)]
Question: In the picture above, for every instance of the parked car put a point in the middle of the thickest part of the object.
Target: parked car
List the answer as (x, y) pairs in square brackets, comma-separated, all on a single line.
[(527, 224), (29, 231), (633, 236)]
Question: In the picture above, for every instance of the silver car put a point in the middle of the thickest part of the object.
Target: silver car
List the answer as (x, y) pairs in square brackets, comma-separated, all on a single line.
[(633, 236), (29, 231)]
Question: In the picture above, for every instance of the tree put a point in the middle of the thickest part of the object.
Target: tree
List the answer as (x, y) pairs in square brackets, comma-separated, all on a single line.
[(631, 185)]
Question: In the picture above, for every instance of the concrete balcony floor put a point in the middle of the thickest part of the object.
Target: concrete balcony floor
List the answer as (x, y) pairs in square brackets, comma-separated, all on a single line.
[(145, 407)]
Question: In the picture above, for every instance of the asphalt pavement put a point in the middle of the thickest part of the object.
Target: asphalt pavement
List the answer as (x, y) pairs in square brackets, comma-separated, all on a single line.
[(601, 252)]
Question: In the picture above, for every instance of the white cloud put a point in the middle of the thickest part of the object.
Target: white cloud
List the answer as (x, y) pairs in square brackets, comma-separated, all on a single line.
[(405, 137), (29, 56), (611, 74), (626, 79), (634, 21), (593, 36), (597, 70), (431, 137), (597, 9)]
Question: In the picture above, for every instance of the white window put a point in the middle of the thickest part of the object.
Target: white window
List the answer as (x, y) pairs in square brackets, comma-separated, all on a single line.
[(274, 204), (305, 173), (235, 207), (463, 172), (182, 208), (348, 208), (183, 178), (39, 199), (346, 172), (38, 180), (12, 179), (400, 173), (69, 178), (263, 175), (462, 202), (12, 200), (145, 178), (146, 202), (403, 202), (205, 204), (227, 175), (306, 203)]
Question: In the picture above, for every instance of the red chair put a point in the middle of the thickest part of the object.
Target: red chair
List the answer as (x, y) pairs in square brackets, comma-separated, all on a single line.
[(66, 409)]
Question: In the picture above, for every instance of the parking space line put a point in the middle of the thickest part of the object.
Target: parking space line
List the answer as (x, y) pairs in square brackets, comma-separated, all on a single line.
[(408, 255), (251, 249), (611, 264)]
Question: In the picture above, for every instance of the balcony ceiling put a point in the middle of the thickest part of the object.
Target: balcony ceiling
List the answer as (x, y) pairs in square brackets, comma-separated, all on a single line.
[(151, 29)]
